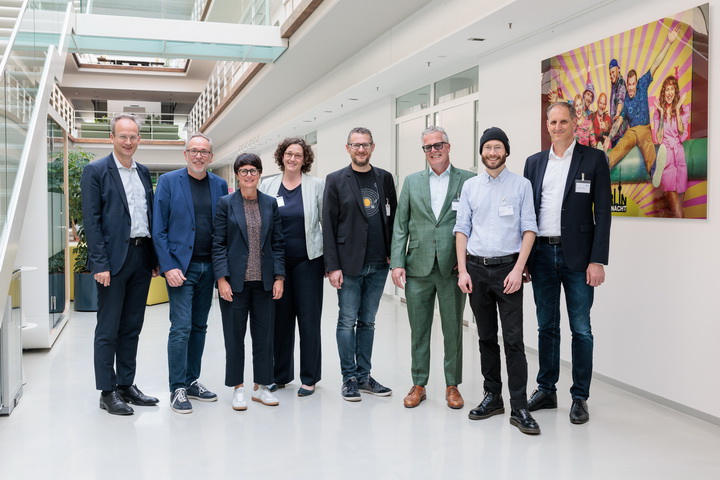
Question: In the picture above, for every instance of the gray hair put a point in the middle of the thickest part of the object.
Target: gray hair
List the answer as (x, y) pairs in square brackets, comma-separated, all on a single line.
[(199, 135), (121, 116), (567, 105), (435, 129)]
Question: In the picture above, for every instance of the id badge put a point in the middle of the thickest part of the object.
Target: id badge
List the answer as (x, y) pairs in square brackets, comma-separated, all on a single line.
[(582, 186), (505, 210), (280, 201), (455, 205)]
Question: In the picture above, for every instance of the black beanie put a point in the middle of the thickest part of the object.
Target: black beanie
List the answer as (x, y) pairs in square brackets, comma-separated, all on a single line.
[(494, 133)]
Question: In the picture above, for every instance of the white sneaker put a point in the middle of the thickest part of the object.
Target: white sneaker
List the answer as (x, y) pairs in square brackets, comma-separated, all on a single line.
[(660, 162), (262, 394), (238, 402)]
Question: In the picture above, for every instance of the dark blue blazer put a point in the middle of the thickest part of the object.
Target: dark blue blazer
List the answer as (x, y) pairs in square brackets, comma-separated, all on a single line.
[(174, 217), (585, 217), (106, 217), (230, 241)]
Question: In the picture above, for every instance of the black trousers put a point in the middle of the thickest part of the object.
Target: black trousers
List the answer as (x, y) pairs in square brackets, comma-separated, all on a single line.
[(302, 300), (120, 315), (486, 300), (258, 303)]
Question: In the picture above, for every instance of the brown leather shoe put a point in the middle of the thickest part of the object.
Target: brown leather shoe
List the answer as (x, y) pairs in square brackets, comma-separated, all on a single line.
[(414, 396), (453, 397)]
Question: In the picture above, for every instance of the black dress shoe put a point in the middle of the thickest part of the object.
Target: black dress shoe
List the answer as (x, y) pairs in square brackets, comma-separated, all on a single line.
[(522, 419), (133, 395), (579, 412), (491, 405), (114, 404), (539, 400)]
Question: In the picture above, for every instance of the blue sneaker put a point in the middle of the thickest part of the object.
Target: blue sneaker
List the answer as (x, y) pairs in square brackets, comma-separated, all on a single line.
[(198, 391)]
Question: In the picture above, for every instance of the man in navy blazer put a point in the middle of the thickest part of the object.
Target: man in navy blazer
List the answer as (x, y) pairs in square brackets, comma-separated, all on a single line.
[(571, 188), (359, 206), (117, 201), (185, 202)]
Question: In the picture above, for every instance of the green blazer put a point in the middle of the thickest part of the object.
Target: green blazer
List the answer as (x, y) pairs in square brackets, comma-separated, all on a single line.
[(418, 237)]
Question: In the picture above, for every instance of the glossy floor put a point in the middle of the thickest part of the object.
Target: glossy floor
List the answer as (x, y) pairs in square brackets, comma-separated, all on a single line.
[(58, 431)]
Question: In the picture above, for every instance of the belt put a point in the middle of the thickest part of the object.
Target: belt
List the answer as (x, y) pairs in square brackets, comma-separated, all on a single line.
[(493, 260), (137, 241), (549, 240)]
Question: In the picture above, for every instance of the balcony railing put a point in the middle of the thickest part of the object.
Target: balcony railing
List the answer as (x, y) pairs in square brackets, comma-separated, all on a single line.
[(154, 126)]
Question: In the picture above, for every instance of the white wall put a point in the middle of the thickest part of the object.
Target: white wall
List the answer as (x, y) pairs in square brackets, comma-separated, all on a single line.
[(654, 320)]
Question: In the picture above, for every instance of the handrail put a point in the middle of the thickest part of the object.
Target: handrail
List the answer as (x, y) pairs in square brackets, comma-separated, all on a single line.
[(11, 40)]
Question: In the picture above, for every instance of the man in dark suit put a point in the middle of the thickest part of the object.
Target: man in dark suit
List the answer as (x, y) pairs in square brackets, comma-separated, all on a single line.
[(358, 212), (117, 200), (185, 202), (571, 189)]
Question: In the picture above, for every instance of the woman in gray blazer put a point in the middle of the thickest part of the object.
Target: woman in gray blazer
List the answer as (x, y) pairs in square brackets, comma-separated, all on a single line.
[(299, 198)]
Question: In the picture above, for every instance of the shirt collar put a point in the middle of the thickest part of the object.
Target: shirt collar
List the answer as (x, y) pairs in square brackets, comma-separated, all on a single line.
[(443, 174), (500, 178), (568, 153), (120, 165)]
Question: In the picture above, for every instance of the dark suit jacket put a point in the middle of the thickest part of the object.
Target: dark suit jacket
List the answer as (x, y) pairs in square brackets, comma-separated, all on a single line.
[(230, 241), (345, 227), (585, 217), (106, 217), (174, 217)]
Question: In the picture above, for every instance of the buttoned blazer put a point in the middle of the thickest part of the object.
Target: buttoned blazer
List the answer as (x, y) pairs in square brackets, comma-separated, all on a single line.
[(230, 241), (106, 216), (174, 217), (312, 197), (585, 217), (418, 237), (345, 227)]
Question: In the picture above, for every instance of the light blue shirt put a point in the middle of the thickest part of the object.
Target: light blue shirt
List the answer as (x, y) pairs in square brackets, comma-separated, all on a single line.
[(495, 212), (137, 203)]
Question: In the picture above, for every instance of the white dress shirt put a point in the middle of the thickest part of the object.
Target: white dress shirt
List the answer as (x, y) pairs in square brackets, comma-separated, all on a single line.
[(438, 189), (553, 190)]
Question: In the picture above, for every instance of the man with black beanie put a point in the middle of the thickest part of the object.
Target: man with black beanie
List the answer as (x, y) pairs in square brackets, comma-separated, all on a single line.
[(494, 234)]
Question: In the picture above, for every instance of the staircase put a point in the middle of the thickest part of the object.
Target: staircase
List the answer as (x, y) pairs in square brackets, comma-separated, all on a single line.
[(9, 10)]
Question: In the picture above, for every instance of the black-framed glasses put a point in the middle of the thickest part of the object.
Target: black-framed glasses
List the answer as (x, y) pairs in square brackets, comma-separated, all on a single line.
[(356, 146), (437, 146), (253, 172), (195, 152)]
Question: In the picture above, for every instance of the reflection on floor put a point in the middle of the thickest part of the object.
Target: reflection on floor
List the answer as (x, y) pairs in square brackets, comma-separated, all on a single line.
[(58, 430)]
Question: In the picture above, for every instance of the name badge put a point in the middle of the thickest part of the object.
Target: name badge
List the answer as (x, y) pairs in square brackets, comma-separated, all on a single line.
[(505, 210), (582, 186), (455, 205), (387, 207), (280, 201)]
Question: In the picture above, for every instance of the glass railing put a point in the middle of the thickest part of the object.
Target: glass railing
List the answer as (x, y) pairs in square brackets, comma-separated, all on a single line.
[(165, 9), (38, 26), (155, 126)]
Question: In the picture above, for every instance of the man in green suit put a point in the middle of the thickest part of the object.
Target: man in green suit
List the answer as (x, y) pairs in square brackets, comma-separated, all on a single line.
[(424, 262)]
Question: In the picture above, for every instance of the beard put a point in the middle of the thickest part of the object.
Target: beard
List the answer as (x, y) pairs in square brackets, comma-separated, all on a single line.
[(485, 161)]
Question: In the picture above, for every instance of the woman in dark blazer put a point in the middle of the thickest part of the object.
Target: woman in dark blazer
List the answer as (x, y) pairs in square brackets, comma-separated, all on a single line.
[(249, 267), (299, 198)]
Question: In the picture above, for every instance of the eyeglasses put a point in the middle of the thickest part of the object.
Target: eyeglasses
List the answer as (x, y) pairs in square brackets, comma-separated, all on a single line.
[(356, 146), (437, 146), (253, 172), (193, 152), (294, 155), (493, 148), (132, 138)]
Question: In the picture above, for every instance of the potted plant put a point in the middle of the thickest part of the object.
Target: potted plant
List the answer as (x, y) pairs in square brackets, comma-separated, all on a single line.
[(85, 285)]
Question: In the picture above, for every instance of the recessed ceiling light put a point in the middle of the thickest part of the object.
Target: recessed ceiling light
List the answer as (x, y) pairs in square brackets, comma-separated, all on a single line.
[(353, 99), (476, 39)]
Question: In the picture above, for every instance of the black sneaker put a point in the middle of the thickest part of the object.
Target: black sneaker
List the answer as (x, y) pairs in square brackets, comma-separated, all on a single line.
[(198, 391), (350, 391), (179, 402), (373, 387)]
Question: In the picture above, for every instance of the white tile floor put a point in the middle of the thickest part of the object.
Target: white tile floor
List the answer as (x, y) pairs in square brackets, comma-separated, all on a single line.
[(58, 431)]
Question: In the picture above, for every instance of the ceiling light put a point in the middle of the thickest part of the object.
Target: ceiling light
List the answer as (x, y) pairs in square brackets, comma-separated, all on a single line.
[(476, 39)]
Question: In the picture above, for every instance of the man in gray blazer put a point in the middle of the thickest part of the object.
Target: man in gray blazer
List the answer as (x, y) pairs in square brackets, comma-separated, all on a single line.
[(424, 262), (358, 211)]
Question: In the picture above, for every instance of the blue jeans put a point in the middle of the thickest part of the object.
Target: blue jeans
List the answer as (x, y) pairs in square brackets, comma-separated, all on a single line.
[(189, 307), (549, 272), (358, 301)]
